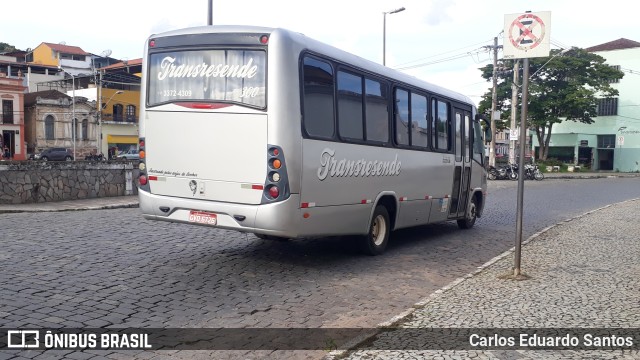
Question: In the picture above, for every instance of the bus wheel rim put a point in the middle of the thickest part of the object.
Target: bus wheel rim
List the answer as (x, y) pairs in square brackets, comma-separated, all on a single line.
[(378, 230)]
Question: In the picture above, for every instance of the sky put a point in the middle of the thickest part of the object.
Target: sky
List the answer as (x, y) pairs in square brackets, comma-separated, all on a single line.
[(443, 40)]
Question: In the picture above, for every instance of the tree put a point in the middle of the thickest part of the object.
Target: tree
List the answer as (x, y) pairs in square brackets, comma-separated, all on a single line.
[(4, 47), (563, 87)]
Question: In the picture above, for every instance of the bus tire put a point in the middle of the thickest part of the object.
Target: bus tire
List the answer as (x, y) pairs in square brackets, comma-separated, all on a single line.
[(470, 216), (375, 242), (271, 237)]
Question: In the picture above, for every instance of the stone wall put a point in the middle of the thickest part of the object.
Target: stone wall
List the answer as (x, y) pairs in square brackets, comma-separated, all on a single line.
[(36, 182)]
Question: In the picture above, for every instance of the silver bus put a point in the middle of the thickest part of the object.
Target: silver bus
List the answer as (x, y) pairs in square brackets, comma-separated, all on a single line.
[(266, 131)]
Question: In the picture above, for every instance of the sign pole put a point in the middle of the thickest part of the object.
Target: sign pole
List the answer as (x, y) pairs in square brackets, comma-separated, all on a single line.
[(521, 172), (528, 36)]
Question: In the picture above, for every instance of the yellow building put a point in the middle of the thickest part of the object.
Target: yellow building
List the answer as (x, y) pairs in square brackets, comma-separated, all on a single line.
[(120, 99), (72, 58)]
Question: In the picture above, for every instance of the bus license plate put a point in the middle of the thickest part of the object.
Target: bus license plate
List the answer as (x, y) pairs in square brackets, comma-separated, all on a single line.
[(202, 217)]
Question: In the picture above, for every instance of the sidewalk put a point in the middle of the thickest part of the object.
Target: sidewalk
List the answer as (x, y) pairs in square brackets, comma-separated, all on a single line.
[(588, 175), (583, 273), (70, 205)]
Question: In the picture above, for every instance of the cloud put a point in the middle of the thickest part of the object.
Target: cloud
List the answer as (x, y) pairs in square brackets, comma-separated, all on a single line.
[(437, 12)]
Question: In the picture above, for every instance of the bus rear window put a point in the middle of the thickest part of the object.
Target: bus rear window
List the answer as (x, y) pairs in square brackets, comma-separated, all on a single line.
[(237, 76)]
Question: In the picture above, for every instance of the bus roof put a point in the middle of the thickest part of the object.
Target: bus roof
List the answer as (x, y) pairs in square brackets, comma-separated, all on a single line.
[(326, 49)]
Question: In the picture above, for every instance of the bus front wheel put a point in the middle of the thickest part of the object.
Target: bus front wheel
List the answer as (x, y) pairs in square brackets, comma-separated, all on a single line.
[(470, 217), (375, 242)]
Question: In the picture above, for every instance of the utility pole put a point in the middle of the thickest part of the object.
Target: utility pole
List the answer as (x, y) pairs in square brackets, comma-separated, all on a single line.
[(494, 100), (514, 112)]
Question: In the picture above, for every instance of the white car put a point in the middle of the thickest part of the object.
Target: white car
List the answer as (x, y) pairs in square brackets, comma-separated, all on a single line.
[(132, 154)]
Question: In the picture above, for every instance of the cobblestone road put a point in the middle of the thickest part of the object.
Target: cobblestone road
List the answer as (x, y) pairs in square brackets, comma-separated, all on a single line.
[(111, 268)]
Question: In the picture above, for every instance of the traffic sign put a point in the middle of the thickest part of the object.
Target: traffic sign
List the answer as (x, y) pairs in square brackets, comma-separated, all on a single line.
[(620, 140), (527, 35)]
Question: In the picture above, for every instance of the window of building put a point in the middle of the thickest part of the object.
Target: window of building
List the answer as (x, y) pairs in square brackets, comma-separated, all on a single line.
[(49, 127), (350, 100), (74, 129), (131, 113), (7, 111), (117, 112), (608, 106), (617, 67), (85, 129), (606, 141), (318, 78)]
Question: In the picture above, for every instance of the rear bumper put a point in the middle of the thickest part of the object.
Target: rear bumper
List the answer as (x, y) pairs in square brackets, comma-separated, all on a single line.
[(278, 219)]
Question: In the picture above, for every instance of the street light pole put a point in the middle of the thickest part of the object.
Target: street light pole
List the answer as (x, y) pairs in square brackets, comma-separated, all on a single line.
[(73, 115), (384, 32), (99, 132)]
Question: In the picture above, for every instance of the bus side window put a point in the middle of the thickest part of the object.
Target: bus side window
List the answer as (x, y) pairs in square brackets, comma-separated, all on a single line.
[(377, 113), (440, 125), (350, 115), (419, 127), (401, 115), (318, 106)]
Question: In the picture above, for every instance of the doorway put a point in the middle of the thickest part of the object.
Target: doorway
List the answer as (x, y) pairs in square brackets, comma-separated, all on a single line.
[(605, 159), (8, 140), (585, 156)]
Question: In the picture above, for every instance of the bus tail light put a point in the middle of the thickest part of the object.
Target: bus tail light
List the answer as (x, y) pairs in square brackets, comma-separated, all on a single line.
[(276, 186), (143, 178)]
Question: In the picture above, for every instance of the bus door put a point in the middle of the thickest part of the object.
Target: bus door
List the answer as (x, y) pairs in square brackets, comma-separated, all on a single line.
[(462, 163)]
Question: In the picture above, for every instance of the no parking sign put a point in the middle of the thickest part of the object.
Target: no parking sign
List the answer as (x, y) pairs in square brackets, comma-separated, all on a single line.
[(527, 35)]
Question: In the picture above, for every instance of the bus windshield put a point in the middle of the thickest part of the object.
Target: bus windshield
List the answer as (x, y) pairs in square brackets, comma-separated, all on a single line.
[(237, 76)]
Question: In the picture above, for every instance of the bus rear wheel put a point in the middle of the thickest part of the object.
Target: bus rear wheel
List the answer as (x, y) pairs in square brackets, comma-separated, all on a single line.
[(375, 242)]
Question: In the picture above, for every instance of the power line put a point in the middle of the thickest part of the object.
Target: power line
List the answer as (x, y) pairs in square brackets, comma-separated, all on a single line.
[(444, 53), (635, 72), (454, 57)]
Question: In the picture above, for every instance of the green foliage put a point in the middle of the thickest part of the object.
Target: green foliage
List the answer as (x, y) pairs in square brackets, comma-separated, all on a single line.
[(562, 87), (4, 47)]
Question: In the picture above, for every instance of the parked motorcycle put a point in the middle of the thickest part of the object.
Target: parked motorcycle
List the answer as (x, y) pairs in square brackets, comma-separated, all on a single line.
[(503, 172), (94, 157), (532, 172)]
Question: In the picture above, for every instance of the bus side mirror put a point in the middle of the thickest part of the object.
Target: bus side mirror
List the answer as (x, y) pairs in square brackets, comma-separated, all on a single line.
[(487, 135), (481, 117)]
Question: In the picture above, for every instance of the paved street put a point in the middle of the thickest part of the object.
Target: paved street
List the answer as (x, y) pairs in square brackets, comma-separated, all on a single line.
[(111, 268)]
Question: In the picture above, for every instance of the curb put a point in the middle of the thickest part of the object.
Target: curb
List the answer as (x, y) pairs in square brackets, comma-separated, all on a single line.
[(81, 208), (351, 345)]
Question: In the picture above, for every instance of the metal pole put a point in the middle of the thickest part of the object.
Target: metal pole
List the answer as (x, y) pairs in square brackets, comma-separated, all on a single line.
[(384, 38), (73, 116), (99, 135), (523, 139), (514, 111), (492, 146), (210, 14), (384, 32)]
